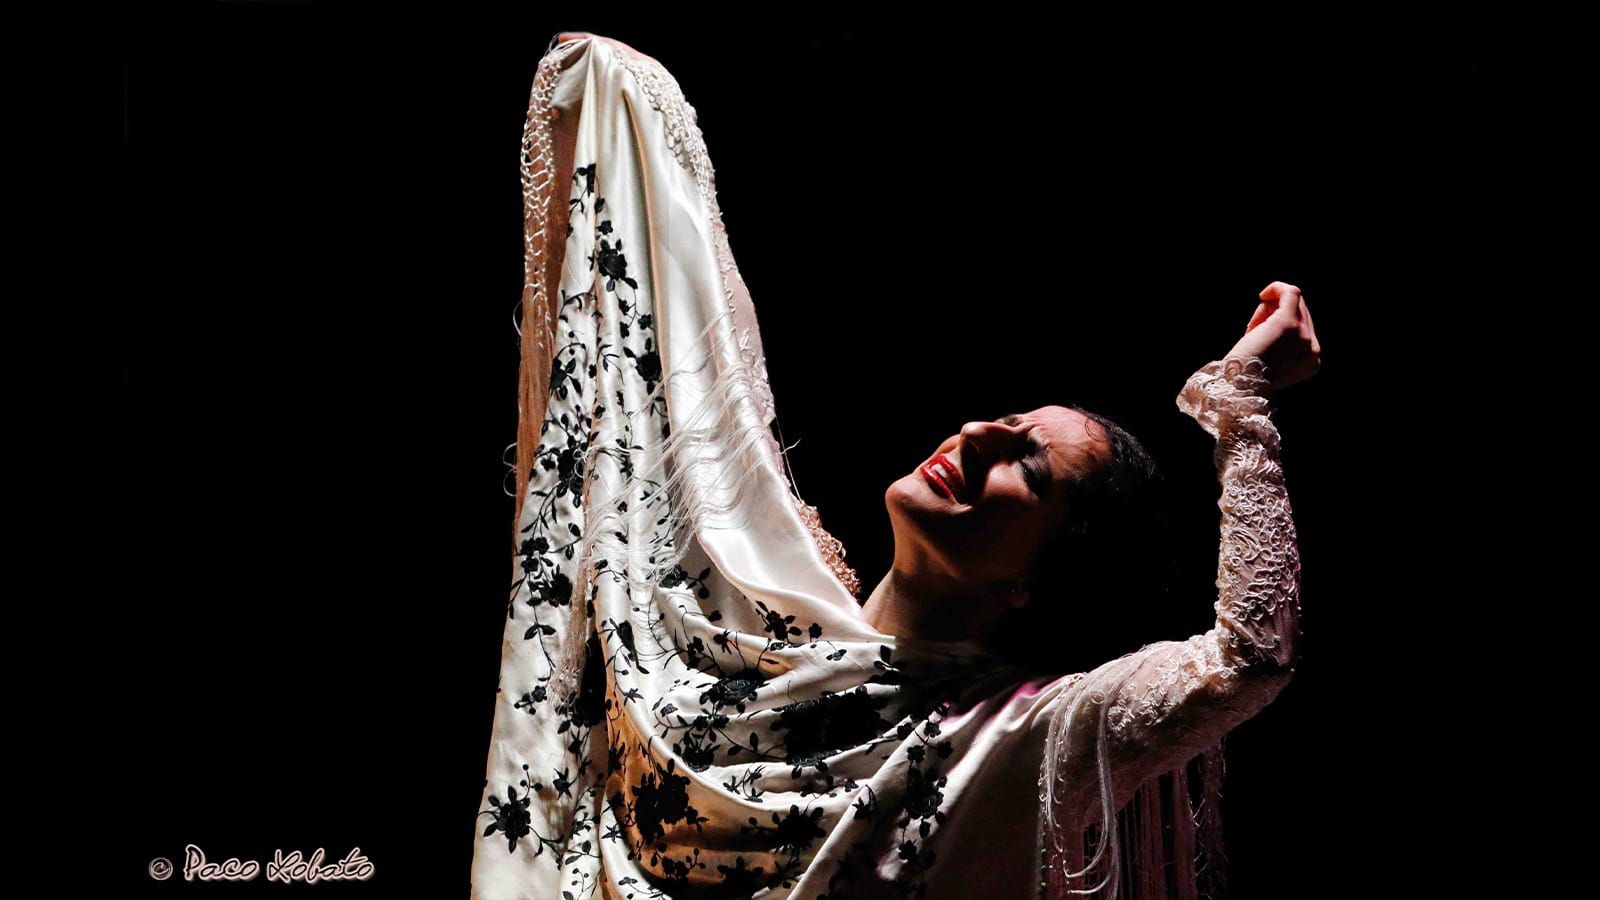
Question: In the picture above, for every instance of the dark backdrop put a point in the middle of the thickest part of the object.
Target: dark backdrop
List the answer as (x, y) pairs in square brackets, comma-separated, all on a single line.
[(938, 222)]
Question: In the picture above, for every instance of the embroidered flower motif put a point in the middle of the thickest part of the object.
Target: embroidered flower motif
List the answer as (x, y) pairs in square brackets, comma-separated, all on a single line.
[(739, 880), (818, 725), (588, 708), (923, 796), (696, 755), (649, 365), (797, 830), (569, 469), (661, 797), (613, 265), (803, 763), (558, 591), (532, 698), (511, 817), (776, 623), (733, 690)]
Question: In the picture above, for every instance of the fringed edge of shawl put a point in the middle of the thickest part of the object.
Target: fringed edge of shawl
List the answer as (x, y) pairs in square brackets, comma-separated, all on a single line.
[(1167, 843), (1164, 843)]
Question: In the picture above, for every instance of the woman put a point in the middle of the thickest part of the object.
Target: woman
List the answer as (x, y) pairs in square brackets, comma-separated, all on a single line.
[(694, 703)]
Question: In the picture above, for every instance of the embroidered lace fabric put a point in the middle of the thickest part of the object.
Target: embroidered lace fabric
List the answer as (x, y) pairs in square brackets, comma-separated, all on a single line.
[(1121, 725), (691, 703)]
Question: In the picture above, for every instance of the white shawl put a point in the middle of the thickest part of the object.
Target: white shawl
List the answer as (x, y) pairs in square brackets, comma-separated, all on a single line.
[(691, 703)]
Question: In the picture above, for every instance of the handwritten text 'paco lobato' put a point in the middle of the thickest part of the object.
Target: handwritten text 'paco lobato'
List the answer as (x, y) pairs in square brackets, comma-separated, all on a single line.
[(285, 868)]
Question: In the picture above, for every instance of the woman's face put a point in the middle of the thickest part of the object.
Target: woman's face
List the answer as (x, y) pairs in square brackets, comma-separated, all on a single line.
[(976, 512)]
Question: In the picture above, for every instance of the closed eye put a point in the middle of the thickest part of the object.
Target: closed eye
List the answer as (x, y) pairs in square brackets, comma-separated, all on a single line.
[(1030, 474)]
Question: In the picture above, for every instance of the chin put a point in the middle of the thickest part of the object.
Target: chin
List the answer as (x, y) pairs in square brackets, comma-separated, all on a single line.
[(908, 496), (920, 517)]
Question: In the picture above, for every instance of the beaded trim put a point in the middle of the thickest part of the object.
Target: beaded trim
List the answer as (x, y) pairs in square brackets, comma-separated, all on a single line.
[(832, 548)]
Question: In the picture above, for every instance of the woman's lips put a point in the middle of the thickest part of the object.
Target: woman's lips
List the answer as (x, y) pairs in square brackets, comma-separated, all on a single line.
[(943, 474)]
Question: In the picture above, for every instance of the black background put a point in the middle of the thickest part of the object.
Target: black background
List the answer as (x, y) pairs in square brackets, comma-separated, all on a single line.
[(939, 221)]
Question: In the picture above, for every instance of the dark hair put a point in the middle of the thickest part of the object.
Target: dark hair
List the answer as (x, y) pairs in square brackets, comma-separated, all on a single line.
[(1102, 573)]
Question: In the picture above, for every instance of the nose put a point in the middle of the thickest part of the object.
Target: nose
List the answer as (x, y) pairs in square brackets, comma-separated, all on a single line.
[(983, 443)]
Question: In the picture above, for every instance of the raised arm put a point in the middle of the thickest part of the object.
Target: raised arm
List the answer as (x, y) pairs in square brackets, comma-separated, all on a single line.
[(1258, 568), (1135, 717)]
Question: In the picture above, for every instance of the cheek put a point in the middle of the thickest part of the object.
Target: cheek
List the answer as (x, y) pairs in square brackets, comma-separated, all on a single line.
[(1012, 536)]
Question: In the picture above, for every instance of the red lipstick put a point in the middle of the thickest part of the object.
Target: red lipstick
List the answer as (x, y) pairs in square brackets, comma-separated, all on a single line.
[(943, 473)]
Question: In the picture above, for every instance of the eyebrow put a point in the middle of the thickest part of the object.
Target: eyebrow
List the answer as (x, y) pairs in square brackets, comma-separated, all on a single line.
[(1009, 420)]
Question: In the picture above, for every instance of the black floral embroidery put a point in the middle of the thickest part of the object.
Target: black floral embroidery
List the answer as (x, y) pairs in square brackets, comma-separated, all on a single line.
[(777, 624), (569, 465), (662, 797), (734, 690), (740, 879), (796, 830), (512, 817), (649, 363), (832, 722), (654, 803), (744, 783), (613, 264), (782, 627), (532, 698), (697, 755), (679, 576), (922, 799), (588, 708), (729, 722), (584, 177)]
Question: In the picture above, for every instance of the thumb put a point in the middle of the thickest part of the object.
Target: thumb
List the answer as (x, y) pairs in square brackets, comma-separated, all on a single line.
[(1263, 312)]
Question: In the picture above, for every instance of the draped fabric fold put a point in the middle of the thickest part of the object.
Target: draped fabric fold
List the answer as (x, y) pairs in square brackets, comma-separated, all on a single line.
[(691, 702)]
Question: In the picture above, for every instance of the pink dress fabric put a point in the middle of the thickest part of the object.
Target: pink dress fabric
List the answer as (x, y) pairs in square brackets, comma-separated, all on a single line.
[(691, 702)]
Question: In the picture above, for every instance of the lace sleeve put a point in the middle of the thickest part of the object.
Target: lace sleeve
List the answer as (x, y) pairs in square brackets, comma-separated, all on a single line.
[(1155, 709)]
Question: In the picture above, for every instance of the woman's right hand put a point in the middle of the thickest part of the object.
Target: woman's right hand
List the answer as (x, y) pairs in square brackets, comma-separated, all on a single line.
[(1281, 334)]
